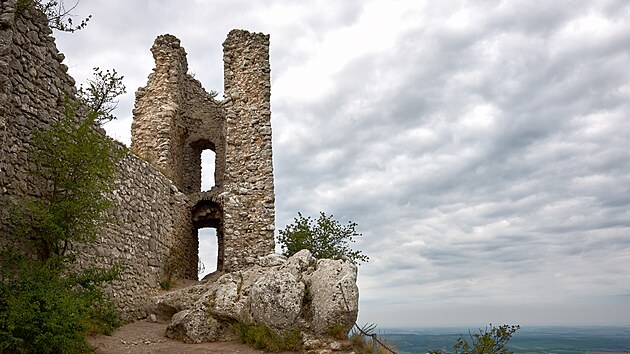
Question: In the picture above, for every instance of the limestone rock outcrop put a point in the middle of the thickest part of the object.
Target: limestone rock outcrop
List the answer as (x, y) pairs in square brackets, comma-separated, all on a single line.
[(316, 296)]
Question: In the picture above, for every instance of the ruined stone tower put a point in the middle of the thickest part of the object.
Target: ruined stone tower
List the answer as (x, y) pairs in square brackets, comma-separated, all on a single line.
[(175, 119)]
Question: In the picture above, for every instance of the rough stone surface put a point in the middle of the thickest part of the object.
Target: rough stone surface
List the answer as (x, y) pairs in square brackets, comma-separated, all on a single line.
[(170, 303), (158, 204), (274, 297), (277, 299), (195, 326), (335, 295)]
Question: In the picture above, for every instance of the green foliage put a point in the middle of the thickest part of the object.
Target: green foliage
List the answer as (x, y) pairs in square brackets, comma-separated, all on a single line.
[(485, 342), (263, 337), (47, 308), (99, 95), (324, 237), (46, 304), (75, 165), (337, 331), (166, 284), (59, 17)]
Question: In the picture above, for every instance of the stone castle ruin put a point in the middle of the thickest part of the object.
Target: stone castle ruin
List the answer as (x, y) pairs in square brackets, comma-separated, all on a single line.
[(159, 205), (175, 119), (158, 202)]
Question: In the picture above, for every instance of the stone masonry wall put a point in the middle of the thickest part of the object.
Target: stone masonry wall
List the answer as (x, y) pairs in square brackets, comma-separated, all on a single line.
[(150, 217), (150, 214), (33, 86), (250, 214)]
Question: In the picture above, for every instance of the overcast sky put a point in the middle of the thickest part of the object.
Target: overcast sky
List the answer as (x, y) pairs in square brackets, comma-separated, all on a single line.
[(481, 146)]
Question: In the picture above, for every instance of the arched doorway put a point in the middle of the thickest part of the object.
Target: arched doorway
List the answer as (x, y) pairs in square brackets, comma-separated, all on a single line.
[(208, 251), (208, 216)]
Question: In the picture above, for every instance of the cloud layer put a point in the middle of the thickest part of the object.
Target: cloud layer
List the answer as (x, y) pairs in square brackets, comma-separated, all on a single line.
[(481, 147)]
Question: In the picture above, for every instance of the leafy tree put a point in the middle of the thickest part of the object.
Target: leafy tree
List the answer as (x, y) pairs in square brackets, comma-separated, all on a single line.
[(46, 304), (99, 96), (491, 341), (324, 237), (75, 165)]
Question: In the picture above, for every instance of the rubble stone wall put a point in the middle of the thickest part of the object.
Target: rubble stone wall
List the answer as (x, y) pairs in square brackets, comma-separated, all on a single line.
[(250, 215), (33, 87)]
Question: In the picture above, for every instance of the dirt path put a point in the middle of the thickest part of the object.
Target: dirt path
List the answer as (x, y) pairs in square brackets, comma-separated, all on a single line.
[(146, 337)]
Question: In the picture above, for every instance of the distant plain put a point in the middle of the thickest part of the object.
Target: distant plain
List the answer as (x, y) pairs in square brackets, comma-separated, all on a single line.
[(528, 339)]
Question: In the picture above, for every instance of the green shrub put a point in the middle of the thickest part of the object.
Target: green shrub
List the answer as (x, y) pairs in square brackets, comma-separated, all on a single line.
[(45, 308), (264, 338), (337, 331), (166, 284), (492, 341), (324, 237)]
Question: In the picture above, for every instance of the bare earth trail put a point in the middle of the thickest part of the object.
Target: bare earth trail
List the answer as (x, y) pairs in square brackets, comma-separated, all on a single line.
[(147, 337)]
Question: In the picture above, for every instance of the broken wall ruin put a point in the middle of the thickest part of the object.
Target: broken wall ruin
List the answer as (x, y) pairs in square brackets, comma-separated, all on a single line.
[(175, 119), (158, 204)]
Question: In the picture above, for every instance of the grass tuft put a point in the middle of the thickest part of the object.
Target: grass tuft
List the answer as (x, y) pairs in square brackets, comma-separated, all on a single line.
[(264, 338)]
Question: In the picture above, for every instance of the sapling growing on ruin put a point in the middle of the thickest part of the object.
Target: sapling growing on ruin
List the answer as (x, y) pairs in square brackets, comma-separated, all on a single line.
[(100, 94), (75, 165)]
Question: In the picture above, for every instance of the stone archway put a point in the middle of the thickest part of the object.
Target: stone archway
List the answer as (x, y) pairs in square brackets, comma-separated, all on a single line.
[(208, 214)]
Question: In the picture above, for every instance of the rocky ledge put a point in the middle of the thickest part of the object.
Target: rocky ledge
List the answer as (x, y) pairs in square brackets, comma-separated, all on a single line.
[(319, 298)]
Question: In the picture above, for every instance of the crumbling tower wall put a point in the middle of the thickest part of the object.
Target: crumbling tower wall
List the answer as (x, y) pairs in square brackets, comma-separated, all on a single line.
[(175, 119), (250, 214)]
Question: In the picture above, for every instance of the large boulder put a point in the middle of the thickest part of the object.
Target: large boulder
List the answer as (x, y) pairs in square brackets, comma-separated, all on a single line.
[(276, 300), (197, 326), (166, 305), (318, 297), (335, 296)]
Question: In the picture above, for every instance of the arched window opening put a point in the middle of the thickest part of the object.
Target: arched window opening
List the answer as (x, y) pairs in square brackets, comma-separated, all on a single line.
[(208, 251), (208, 162), (207, 219)]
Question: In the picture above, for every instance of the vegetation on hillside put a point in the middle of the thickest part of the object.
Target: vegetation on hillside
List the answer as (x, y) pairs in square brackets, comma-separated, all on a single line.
[(491, 340), (264, 338)]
